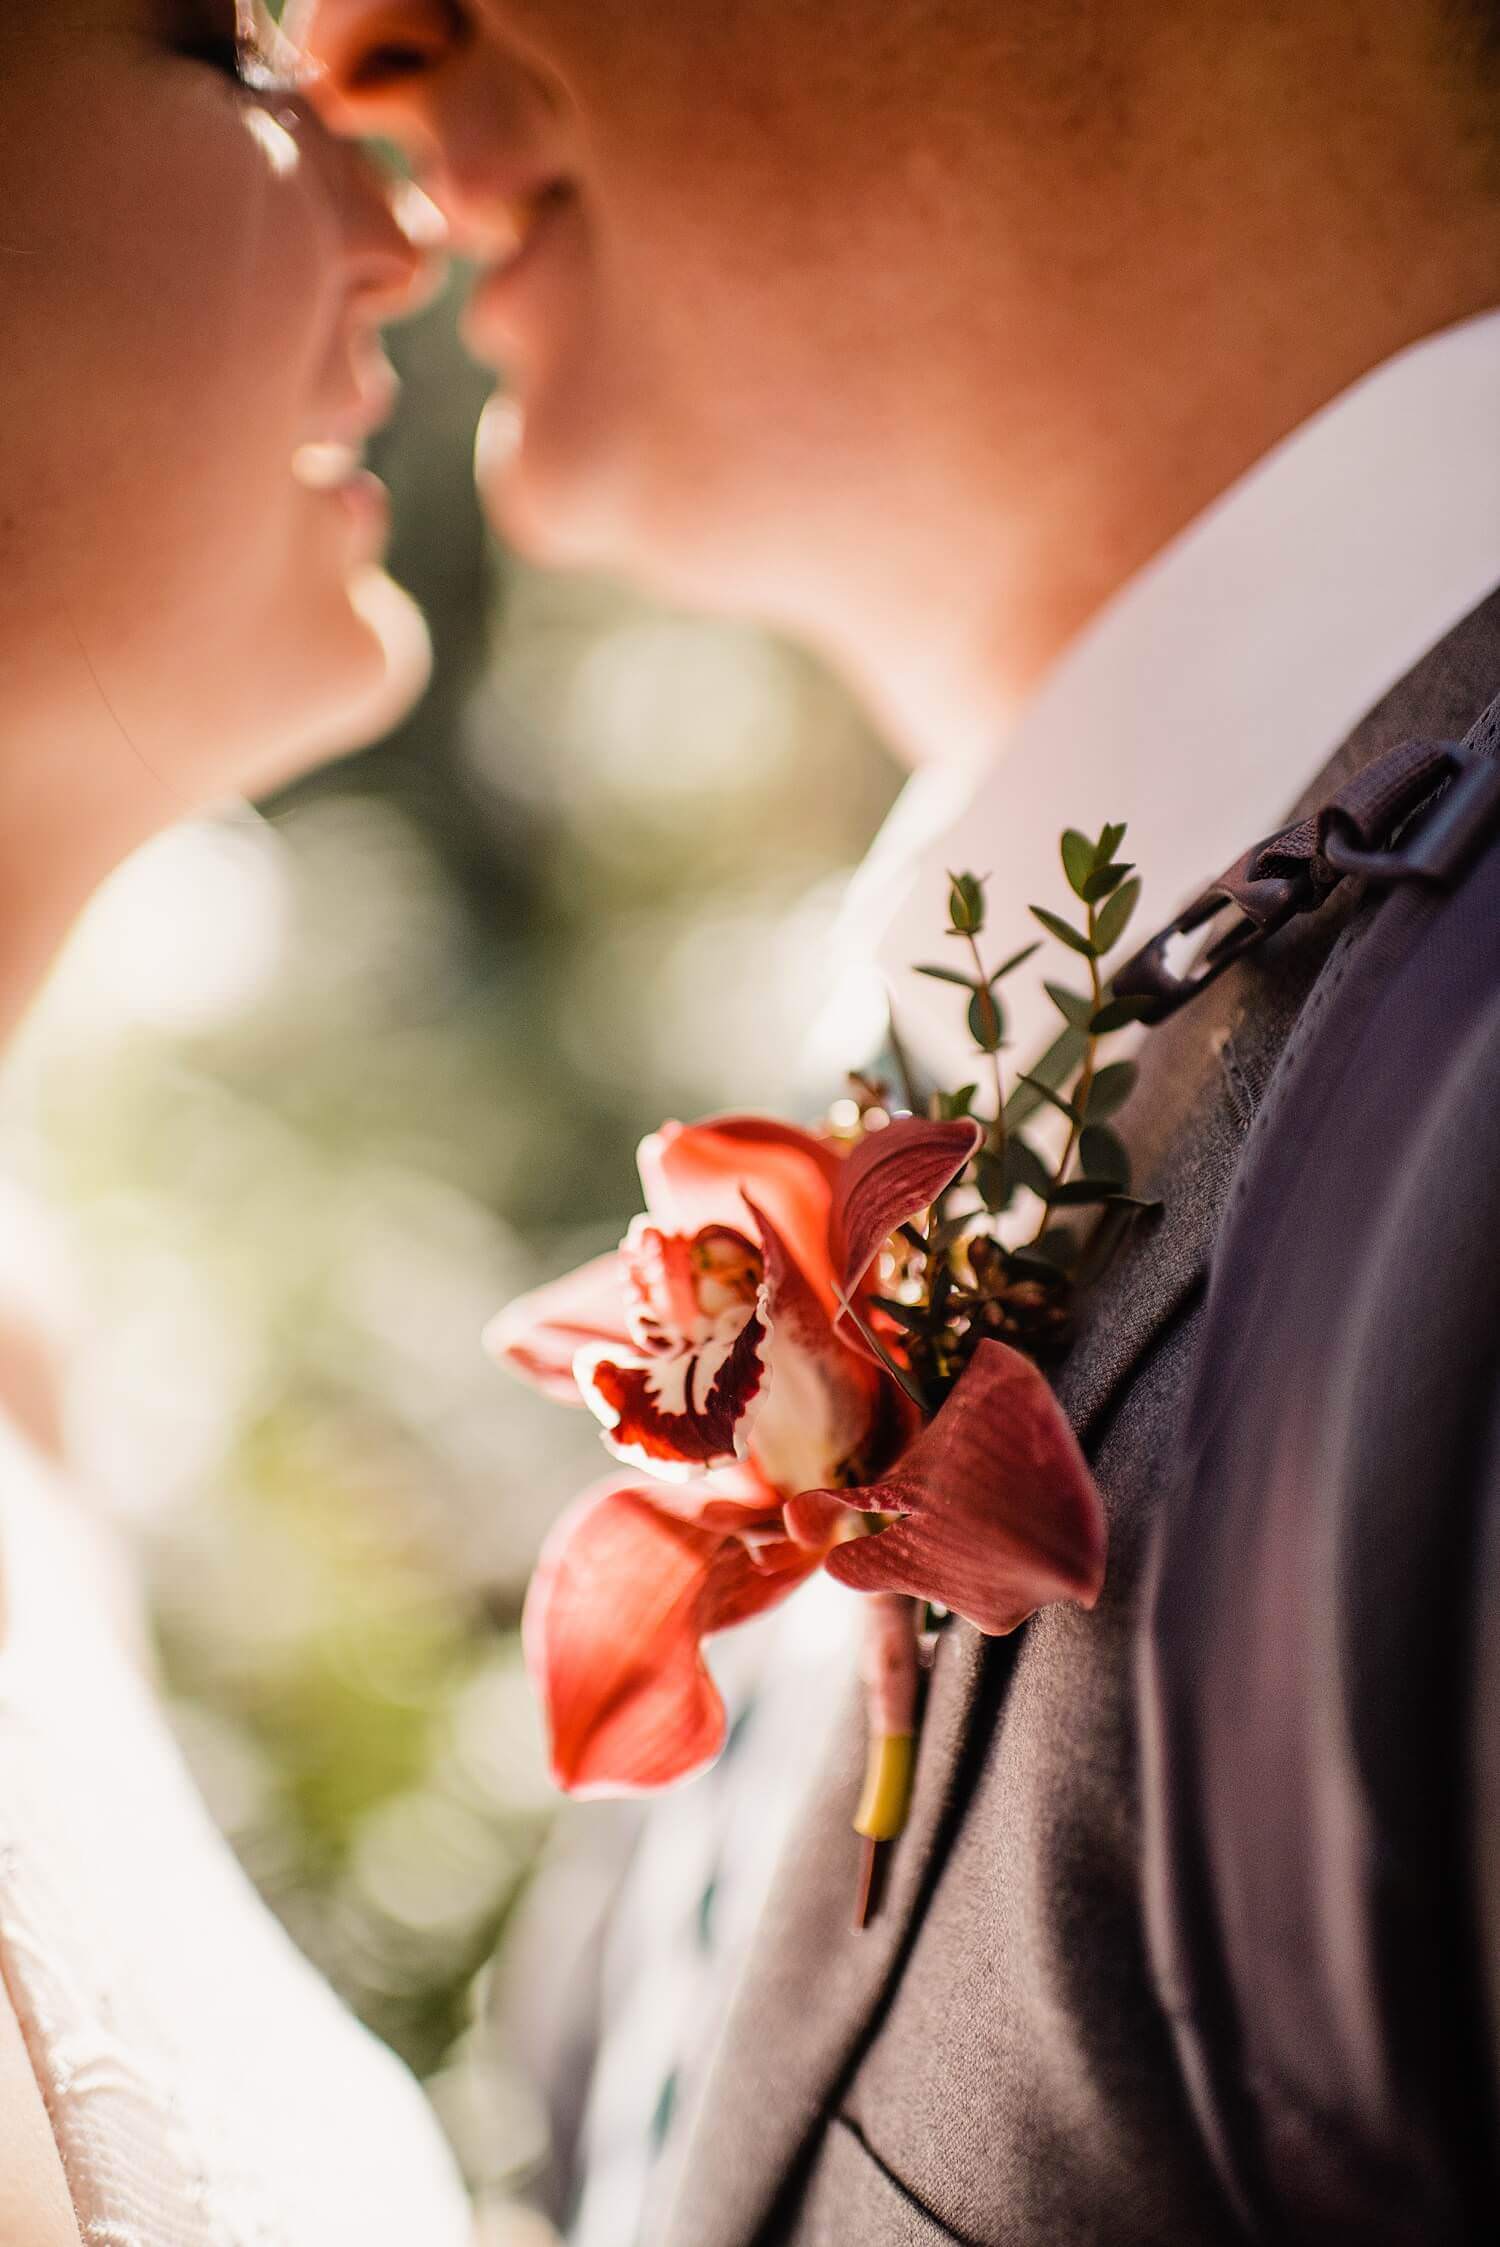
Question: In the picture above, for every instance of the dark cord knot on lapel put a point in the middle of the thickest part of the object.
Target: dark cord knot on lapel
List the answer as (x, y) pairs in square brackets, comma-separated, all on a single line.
[(1419, 813)]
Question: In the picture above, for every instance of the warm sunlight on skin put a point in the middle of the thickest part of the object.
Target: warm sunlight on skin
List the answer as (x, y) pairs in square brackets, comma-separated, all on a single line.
[(195, 274), (281, 149), (194, 277), (917, 328)]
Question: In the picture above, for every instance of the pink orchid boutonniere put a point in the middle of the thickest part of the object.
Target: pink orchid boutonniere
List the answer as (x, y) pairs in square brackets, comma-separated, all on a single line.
[(814, 1351)]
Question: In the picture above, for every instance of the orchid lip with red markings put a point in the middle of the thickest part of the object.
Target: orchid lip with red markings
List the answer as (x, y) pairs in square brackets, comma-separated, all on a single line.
[(682, 1394)]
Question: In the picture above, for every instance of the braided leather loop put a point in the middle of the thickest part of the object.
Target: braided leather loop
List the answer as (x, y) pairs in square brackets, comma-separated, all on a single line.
[(1419, 813)]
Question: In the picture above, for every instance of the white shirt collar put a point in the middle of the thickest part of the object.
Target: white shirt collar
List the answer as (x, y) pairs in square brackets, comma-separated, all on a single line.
[(1206, 695)]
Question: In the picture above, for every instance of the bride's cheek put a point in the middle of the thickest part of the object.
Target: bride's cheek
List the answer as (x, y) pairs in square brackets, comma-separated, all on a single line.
[(249, 647)]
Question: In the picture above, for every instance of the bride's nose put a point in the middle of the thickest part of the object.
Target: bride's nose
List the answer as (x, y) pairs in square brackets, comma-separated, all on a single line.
[(393, 236), (479, 124)]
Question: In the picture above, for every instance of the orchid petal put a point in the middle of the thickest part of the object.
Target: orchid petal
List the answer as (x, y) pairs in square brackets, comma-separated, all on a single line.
[(675, 1412), (674, 1282), (622, 1596), (822, 1398), (697, 1175), (736, 1498), (819, 1519), (539, 1335), (891, 1176), (998, 1514)]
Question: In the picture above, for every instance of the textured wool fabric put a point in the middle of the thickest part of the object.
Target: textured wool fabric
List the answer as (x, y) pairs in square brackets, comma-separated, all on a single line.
[(1308, 1700), (991, 2061)]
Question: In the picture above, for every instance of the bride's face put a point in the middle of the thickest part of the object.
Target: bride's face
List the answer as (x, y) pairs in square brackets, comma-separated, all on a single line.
[(193, 276)]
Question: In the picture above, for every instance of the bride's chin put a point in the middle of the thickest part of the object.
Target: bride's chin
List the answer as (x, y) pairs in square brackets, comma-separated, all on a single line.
[(404, 647), (384, 665)]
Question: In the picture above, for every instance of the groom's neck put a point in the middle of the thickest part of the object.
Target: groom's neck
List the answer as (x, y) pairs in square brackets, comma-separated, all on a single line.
[(1278, 250)]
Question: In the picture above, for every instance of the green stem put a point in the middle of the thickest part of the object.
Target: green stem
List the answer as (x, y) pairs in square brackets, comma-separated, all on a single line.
[(997, 1129), (1085, 1085), (897, 1373), (903, 1065)]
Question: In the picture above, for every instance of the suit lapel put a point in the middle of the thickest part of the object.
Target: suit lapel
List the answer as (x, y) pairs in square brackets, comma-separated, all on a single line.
[(817, 1989), (773, 2084), (816, 1984), (769, 2088), (1183, 1149)]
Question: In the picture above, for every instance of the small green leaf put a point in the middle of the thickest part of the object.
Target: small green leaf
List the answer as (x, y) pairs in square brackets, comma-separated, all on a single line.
[(965, 904), (1065, 934), (1104, 879), (911, 1091), (947, 1235), (913, 1316), (1115, 917), (956, 1105), (1111, 1089), (948, 975), (986, 1022), (1017, 959), (1080, 1193), (1109, 842), (1078, 861), (1075, 1007), (1062, 1060), (1025, 1167), (1053, 1099), (994, 1183), (1118, 1014), (1025, 1264), (942, 1288), (1103, 1155)]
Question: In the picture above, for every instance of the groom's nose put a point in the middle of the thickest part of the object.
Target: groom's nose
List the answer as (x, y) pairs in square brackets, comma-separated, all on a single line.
[(484, 130)]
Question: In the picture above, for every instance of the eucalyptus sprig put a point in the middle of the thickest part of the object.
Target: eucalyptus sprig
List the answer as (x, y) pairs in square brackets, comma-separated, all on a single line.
[(961, 1278), (1109, 891)]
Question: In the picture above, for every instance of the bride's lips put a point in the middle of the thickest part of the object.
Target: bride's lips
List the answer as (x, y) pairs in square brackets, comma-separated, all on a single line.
[(497, 310), (330, 461), (335, 471)]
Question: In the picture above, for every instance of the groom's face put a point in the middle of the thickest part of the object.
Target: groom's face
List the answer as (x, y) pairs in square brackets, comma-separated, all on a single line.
[(742, 265)]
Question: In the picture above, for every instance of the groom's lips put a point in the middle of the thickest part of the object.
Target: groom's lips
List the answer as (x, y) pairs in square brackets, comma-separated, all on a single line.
[(497, 315)]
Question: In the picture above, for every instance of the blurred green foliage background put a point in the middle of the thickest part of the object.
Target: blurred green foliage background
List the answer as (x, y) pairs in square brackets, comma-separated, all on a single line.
[(314, 1091)]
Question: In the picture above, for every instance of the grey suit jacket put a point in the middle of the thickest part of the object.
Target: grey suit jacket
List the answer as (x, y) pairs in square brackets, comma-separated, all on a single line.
[(1319, 1674), (993, 2061)]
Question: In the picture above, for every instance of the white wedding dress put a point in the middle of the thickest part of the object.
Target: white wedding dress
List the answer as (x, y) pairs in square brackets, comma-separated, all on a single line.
[(205, 2088)]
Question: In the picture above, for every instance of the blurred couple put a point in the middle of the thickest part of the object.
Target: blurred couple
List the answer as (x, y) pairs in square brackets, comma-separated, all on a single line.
[(1111, 394)]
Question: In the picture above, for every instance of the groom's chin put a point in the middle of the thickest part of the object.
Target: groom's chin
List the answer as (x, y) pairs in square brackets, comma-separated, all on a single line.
[(546, 499), (570, 494)]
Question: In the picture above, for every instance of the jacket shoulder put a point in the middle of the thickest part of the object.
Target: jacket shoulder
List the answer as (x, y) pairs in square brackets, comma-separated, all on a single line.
[(1309, 1665)]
